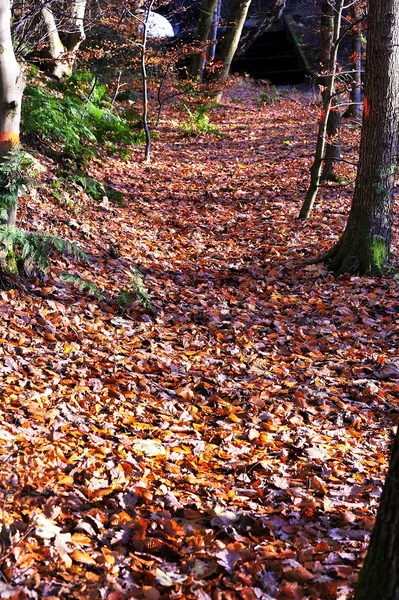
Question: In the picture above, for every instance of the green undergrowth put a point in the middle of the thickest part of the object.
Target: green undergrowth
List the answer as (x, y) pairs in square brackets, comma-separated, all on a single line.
[(199, 123), (71, 120)]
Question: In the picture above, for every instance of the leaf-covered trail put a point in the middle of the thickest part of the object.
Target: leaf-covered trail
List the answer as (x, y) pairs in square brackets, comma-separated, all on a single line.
[(233, 445)]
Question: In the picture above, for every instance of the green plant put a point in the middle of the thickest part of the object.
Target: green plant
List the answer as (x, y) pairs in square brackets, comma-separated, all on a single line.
[(199, 122), (268, 95), (93, 188), (84, 285), (137, 291), (16, 171), (24, 250), (67, 117)]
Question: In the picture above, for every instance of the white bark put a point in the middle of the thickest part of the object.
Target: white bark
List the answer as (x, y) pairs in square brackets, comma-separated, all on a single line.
[(62, 53), (12, 83), (74, 31)]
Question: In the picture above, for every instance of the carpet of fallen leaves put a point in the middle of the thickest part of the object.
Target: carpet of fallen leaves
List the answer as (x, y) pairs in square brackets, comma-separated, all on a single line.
[(230, 446)]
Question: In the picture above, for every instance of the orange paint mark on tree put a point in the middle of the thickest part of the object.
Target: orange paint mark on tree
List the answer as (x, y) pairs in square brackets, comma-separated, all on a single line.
[(366, 106), (13, 138)]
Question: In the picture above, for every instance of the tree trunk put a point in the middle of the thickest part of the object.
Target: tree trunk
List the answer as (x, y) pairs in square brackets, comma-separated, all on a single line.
[(327, 95), (379, 576), (211, 51), (12, 83), (72, 30), (332, 152), (198, 60), (227, 47), (144, 80), (333, 147), (365, 244), (355, 106), (64, 39)]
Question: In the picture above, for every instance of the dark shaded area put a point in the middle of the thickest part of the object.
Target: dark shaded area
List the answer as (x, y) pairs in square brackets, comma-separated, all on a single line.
[(275, 57)]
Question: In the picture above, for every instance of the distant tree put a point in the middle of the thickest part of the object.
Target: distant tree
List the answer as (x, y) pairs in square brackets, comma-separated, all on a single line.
[(329, 80), (203, 34), (364, 247), (332, 150), (227, 47)]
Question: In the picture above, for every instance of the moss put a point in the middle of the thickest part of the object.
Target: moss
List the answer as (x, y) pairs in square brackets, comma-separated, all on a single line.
[(378, 251), (11, 265)]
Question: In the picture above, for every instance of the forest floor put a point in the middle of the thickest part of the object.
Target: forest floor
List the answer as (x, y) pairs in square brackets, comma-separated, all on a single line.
[(231, 443)]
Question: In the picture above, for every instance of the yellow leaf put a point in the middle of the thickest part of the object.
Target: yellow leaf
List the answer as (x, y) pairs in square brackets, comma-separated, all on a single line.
[(82, 557)]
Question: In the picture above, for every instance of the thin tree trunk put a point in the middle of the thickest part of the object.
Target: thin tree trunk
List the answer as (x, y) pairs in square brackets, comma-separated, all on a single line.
[(355, 106), (328, 94), (333, 146), (211, 51), (228, 46), (365, 244), (12, 83), (198, 60), (145, 81)]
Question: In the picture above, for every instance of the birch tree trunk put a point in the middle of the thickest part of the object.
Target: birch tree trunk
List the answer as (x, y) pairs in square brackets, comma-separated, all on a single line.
[(12, 83), (365, 244)]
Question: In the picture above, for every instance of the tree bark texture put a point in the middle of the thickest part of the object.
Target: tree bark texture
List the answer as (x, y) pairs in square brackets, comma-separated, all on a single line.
[(379, 576), (198, 60), (227, 48), (365, 244), (12, 83)]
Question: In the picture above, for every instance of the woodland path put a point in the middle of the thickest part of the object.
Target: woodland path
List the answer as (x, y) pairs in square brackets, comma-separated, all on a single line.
[(233, 445)]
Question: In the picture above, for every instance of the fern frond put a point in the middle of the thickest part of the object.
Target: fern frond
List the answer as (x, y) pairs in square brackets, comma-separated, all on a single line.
[(84, 285)]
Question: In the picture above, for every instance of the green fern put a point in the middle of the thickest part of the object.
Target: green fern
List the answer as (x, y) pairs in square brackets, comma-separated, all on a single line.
[(84, 285), (15, 172), (137, 291), (32, 249)]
